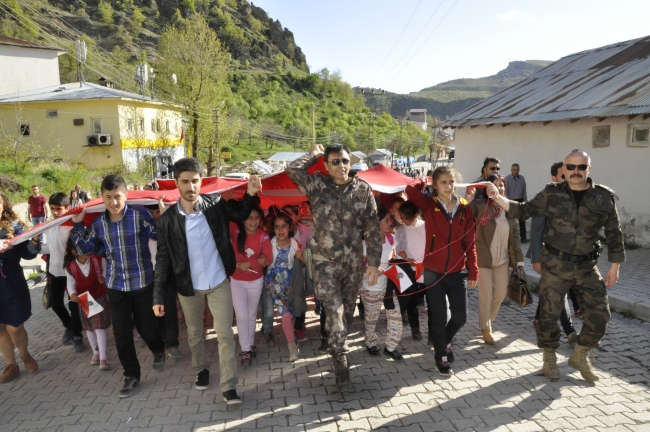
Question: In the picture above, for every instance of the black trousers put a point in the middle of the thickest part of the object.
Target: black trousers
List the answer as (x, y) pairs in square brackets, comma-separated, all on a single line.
[(565, 317), (522, 225), (168, 324), (127, 308), (574, 300), (454, 286), (412, 308), (71, 321)]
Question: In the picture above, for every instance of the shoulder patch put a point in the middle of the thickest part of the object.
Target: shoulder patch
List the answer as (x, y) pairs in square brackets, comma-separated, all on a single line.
[(610, 190)]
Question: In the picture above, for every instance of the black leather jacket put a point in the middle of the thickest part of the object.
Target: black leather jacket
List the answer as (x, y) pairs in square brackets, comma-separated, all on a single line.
[(172, 257)]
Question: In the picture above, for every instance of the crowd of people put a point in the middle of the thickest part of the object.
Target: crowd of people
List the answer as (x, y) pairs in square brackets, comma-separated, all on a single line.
[(427, 245)]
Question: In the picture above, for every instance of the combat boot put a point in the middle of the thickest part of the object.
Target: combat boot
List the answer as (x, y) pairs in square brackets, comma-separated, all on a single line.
[(580, 360), (342, 373), (551, 371)]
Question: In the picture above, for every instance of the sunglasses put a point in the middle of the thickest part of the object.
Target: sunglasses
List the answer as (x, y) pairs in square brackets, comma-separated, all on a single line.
[(335, 162), (581, 167), (495, 168)]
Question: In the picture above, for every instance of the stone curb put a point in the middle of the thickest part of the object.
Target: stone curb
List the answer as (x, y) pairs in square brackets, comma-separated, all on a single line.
[(35, 281), (640, 310)]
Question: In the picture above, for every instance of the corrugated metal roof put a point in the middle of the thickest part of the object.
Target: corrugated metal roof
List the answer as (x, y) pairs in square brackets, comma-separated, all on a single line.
[(360, 155), (6, 40), (70, 91), (285, 157), (613, 80)]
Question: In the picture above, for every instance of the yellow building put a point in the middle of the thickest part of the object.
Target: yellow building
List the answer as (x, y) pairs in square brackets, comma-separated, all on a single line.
[(95, 125)]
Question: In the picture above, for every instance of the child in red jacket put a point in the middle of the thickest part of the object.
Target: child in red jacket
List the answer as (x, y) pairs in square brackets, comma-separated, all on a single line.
[(449, 250)]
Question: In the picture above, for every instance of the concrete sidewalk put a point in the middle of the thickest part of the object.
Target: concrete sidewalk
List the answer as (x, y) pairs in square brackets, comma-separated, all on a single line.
[(631, 294)]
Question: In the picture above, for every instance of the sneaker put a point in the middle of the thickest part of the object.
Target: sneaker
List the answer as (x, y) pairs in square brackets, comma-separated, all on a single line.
[(443, 367), (67, 337), (78, 344), (231, 397), (173, 353), (246, 358), (394, 354), (300, 336), (417, 334), (253, 351), (324, 346), (158, 362), (104, 366), (450, 354), (10, 372), (270, 340), (130, 383), (202, 380), (95, 360), (373, 350)]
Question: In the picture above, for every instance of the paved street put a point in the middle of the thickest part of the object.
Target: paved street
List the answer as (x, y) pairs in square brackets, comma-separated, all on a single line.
[(495, 388)]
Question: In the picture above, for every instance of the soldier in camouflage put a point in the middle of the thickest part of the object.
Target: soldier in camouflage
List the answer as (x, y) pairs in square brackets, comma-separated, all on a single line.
[(575, 211), (344, 213)]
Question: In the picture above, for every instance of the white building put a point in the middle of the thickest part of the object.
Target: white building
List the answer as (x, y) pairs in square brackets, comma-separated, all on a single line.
[(27, 65), (419, 118), (381, 156), (596, 100)]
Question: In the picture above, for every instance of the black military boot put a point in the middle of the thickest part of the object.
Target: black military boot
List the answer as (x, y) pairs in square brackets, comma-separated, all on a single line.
[(342, 373)]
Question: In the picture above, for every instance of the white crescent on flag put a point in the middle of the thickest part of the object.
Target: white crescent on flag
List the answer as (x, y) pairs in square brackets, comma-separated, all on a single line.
[(89, 305)]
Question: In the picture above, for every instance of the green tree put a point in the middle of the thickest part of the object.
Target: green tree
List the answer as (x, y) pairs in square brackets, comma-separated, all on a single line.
[(105, 11), (138, 18), (192, 52)]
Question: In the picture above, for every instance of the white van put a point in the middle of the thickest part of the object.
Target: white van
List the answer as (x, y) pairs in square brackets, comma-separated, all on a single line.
[(241, 176)]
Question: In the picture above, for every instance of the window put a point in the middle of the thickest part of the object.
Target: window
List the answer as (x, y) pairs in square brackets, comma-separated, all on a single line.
[(129, 125), (141, 124), (97, 126), (601, 136), (158, 125), (24, 130), (638, 135), (153, 125), (52, 113), (167, 126)]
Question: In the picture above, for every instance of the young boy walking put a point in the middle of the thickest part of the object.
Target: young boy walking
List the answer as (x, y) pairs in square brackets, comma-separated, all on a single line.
[(124, 232), (57, 238)]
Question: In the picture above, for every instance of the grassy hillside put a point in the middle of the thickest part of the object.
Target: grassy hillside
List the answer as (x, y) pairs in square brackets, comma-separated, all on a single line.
[(271, 90), (448, 98)]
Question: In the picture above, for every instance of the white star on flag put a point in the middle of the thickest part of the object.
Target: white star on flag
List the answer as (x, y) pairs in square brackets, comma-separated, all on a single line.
[(399, 277)]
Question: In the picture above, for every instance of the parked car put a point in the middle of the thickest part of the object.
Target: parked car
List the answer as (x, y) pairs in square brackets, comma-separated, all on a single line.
[(359, 167)]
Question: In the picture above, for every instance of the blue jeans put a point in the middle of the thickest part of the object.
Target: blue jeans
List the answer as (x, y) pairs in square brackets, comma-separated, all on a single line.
[(266, 311), (36, 221)]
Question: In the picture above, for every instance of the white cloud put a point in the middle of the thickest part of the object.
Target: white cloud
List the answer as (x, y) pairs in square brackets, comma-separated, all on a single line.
[(516, 14)]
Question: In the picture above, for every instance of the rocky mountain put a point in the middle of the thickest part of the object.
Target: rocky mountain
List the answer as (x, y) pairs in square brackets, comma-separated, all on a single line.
[(448, 98)]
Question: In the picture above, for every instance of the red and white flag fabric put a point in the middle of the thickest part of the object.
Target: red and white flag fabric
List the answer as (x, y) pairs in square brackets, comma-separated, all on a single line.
[(399, 277), (89, 305)]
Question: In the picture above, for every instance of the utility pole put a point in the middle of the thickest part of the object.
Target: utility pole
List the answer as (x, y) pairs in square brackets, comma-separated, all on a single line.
[(313, 126), (372, 92), (216, 137)]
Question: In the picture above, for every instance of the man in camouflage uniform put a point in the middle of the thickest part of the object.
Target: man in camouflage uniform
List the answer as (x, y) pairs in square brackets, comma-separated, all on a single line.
[(344, 213), (575, 211)]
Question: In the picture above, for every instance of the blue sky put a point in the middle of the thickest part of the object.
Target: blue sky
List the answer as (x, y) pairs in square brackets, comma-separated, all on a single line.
[(462, 39)]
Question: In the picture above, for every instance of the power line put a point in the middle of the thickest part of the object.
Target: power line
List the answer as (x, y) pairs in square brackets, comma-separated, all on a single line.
[(423, 43), (395, 44), (413, 43)]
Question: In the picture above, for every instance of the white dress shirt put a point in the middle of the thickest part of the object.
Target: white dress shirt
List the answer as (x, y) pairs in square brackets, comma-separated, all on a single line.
[(206, 266)]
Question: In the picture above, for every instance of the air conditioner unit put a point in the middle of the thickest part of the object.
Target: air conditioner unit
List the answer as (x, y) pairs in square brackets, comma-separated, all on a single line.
[(100, 140)]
